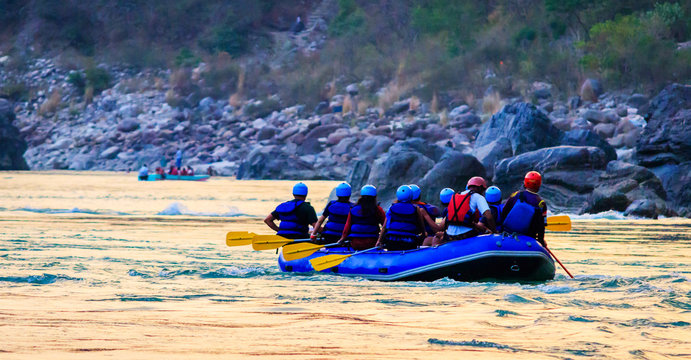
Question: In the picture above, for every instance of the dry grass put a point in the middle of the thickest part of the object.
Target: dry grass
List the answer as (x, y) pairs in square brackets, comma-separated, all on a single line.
[(88, 95), (347, 104), (434, 104), (172, 98), (181, 81), (414, 103), (159, 84), (492, 103), (51, 104), (444, 118)]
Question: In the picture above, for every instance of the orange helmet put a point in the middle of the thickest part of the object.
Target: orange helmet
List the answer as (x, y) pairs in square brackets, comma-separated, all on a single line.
[(477, 181), (532, 181)]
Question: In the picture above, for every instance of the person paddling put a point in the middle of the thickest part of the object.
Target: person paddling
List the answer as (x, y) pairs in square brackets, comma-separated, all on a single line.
[(464, 212), (364, 219), (445, 196), (525, 211), (432, 211), (404, 226), (337, 212), (295, 215)]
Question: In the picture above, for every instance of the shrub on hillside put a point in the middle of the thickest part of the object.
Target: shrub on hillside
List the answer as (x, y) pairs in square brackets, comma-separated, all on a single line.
[(97, 78)]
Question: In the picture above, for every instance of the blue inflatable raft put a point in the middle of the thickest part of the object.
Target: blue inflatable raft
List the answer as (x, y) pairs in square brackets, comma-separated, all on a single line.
[(157, 177), (497, 257)]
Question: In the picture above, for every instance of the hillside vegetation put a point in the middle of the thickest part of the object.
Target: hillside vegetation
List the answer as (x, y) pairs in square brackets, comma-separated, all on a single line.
[(433, 49)]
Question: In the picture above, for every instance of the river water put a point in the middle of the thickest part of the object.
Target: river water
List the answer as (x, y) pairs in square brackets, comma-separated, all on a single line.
[(99, 265)]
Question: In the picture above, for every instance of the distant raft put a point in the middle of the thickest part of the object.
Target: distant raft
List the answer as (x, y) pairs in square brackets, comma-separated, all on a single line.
[(497, 257), (157, 177)]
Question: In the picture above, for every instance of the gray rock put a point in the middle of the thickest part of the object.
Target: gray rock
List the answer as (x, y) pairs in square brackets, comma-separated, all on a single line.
[(399, 107), (459, 110), (259, 123), (668, 132), (288, 132), (638, 101), (81, 162), (12, 145), (591, 89), (344, 146), (128, 125), (466, 120), (110, 152), (491, 153), (675, 180), (260, 164), (588, 138), (593, 116), (453, 170), (358, 175), (396, 168), (569, 174), (266, 133), (373, 146), (605, 131), (524, 125)]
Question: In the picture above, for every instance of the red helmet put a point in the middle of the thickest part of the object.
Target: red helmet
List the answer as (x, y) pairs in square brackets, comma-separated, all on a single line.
[(532, 181), (477, 181)]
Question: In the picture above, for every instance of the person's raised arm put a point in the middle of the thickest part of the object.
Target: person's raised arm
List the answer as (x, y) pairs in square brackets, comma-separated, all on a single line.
[(380, 242), (269, 221)]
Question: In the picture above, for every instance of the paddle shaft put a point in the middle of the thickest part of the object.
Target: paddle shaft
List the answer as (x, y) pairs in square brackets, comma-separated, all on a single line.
[(555, 258)]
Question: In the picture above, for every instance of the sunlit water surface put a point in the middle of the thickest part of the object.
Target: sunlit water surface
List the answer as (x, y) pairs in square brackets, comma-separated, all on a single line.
[(97, 265)]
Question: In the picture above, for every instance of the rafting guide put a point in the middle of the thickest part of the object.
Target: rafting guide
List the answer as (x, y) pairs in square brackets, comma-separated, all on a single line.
[(477, 237)]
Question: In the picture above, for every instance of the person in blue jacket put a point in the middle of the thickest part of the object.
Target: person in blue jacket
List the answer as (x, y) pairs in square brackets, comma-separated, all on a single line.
[(404, 227), (432, 211), (493, 197), (337, 212), (525, 212), (295, 215)]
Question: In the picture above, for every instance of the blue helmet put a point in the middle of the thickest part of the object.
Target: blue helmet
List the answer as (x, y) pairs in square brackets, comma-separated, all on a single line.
[(300, 189), (416, 191), (343, 189), (493, 194), (368, 190), (404, 193), (445, 195)]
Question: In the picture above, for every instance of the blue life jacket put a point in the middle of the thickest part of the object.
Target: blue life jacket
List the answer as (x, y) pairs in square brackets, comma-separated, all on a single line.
[(338, 216), (287, 213), (496, 213), (401, 219), (520, 216), (433, 213), (363, 226)]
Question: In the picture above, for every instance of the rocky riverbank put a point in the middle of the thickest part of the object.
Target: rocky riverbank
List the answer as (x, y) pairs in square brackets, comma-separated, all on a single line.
[(601, 151)]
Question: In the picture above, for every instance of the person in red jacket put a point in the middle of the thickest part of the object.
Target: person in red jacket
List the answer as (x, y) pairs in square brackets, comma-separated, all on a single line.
[(364, 220)]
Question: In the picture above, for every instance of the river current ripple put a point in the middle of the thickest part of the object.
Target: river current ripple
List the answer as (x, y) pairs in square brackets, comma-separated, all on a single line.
[(100, 265)]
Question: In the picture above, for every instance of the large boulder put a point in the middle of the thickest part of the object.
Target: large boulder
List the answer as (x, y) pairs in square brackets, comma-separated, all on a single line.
[(526, 128), (667, 136), (588, 138), (452, 170), (491, 153), (664, 145), (12, 146), (270, 162), (623, 187), (397, 168), (569, 174), (373, 146)]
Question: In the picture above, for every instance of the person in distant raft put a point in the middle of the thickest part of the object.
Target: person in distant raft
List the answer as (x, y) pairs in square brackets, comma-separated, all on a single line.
[(337, 212), (295, 215), (464, 213), (525, 211), (362, 226), (493, 197), (178, 159), (144, 173)]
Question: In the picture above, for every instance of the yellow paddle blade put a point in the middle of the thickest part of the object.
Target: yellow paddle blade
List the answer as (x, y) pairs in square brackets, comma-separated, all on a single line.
[(559, 223), (327, 261), (299, 250), (269, 242), (238, 238)]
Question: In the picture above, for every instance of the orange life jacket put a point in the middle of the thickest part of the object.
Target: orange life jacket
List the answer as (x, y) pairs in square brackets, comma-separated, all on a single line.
[(458, 211)]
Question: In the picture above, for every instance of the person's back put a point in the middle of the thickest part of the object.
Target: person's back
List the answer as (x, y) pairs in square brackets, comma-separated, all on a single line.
[(174, 170), (403, 224), (144, 173), (190, 171), (493, 197), (362, 226), (184, 172), (295, 215), (465, 209), (525, 211)]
